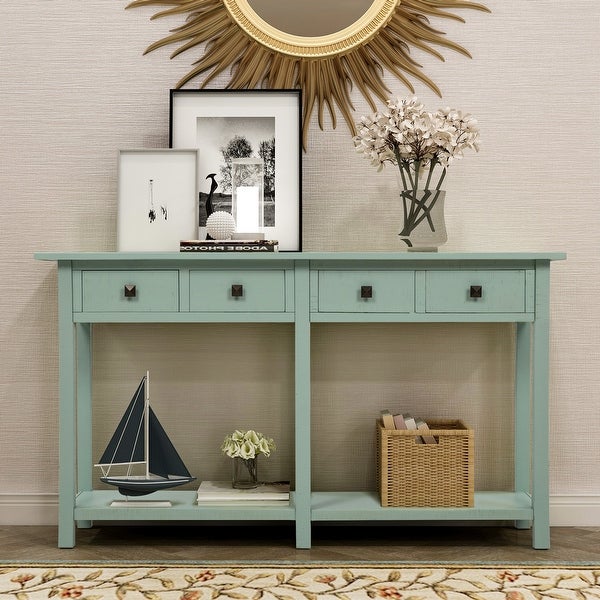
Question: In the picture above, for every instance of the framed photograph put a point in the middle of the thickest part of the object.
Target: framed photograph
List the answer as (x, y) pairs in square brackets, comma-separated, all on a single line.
[(157, 199), (249, 158)]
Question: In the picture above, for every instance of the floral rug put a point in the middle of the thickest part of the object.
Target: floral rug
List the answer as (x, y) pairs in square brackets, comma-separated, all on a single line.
[(292, 582)]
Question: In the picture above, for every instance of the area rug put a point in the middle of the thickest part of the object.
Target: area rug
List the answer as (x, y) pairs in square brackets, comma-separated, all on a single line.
[(293, 582)]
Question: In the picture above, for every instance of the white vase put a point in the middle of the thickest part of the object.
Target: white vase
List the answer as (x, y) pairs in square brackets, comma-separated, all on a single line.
[(423, 221)]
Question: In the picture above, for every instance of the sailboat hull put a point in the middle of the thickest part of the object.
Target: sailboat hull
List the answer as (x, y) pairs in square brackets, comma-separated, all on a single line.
[(142, 486)]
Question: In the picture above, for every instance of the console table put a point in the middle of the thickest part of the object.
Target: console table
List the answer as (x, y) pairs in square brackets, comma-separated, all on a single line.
[(304, 288)]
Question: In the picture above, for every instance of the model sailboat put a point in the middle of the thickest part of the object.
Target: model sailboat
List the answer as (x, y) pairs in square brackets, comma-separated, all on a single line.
[(140, 440)]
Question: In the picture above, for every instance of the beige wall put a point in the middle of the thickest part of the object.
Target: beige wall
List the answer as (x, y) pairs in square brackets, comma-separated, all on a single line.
[(74, 88)]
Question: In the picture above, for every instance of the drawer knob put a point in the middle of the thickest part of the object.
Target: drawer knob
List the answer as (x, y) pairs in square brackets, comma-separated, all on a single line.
[(237, 290), (476, 291), (366, 291), (130, 290)]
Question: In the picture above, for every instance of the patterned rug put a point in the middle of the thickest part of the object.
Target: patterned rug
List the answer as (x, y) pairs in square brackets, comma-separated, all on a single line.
[(293, 582)]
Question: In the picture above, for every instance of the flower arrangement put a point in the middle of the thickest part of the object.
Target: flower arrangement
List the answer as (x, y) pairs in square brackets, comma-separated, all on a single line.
[(244, 447), (415, 140), (247, 444)]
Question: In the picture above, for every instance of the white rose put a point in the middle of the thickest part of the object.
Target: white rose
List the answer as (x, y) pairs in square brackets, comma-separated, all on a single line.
[(237, 435), (247, 450), (252, 437), (264, 447)]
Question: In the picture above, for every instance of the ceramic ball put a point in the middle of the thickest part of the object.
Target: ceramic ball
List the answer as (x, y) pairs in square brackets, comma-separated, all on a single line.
[(220, 225)]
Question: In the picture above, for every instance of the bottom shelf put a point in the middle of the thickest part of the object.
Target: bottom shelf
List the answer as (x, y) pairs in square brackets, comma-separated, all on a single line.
[(95, 506), (365, 506), (325, 506)]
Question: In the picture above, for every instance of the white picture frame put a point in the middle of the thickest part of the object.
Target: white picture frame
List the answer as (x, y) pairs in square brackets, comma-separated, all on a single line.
[(157, 199), (206, 119)]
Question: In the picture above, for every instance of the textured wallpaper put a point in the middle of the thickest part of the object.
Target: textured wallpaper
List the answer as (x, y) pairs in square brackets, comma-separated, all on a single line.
[(75, 88)]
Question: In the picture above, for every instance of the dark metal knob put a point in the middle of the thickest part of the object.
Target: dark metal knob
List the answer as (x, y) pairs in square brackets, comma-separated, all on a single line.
[(237, 290), (366, 291), (476, 291), (130, 290)]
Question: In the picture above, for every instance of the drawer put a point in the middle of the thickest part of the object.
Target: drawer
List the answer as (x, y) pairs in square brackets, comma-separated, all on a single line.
[(130, 291), (366, 291), (498, 291), (261, 290)]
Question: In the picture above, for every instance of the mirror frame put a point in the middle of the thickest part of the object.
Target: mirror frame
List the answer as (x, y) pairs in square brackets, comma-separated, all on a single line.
[(233, 36), (359, 32)]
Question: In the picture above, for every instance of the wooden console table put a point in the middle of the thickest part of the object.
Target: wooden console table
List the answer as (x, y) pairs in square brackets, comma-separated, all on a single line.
[(304, 288)]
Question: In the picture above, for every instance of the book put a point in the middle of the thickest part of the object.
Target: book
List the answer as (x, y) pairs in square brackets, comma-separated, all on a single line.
[(411, 423), (387, 419), (221, 492), (228, 246), (422, 426), (399, 422)]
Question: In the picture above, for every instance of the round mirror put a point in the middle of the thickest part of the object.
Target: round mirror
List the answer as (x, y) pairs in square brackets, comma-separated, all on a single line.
[(310, 18), (323, 47), (315, 28)]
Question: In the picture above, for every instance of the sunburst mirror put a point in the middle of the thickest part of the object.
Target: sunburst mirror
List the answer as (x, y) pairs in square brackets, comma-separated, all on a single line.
[(320, 46)]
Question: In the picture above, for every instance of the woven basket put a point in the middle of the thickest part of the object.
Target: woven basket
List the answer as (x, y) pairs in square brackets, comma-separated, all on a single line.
[(418, 474)]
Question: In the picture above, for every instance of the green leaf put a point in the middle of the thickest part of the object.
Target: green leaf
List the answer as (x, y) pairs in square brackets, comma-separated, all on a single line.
[(166, 583), (348, 576), (48, 576), (124, 574)]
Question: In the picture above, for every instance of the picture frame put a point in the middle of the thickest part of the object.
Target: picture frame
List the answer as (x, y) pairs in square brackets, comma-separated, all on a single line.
[(226, 124), (157, 199)]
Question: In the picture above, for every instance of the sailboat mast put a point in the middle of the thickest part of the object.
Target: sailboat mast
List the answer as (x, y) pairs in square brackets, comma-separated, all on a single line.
[(147, 424)]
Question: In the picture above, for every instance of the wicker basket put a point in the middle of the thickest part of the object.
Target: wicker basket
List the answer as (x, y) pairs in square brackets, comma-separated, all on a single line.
[(418, 474)]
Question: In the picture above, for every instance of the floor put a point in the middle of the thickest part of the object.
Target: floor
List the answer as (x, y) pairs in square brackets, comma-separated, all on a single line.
[(335, 543)]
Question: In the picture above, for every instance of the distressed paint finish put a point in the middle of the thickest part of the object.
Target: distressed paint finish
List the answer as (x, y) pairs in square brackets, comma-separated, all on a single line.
[(509, 287)]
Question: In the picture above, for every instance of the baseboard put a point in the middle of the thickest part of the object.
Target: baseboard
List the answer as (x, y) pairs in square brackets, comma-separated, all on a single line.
[(28, 509), (42, 509), (575, 511)]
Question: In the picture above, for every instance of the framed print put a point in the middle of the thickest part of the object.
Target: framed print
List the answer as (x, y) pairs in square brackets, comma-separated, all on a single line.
[(157, 199), (249, 158)]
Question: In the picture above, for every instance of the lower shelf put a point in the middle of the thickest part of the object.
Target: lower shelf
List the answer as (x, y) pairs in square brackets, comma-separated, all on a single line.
[(365, 506), (325, 506), (95, 506)]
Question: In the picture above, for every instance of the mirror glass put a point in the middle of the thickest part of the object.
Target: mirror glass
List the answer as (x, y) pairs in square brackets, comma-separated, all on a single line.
[(310, 18)]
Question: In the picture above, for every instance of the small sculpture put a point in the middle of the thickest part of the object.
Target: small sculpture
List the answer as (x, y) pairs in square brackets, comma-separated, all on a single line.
[(213, 186), (220, 225)]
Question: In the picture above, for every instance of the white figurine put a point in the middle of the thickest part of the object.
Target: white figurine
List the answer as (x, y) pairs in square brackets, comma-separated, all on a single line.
[(220, 225)]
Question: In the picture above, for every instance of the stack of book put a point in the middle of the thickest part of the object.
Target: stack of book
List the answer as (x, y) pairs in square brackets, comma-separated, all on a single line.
[(211, 493), (407, 421), (228, 246)]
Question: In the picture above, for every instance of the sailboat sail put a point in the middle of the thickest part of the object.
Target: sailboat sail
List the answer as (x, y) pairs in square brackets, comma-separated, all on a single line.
[(164, 458), (127, 443), (141, 440)]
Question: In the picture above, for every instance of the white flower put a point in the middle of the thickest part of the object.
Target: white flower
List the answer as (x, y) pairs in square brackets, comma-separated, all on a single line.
[(247, 444), (415, 140), (264, 447), (407, 135), (247, 450)]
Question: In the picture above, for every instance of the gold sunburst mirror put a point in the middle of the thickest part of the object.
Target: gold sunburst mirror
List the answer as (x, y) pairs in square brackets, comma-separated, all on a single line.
[(320, 46)]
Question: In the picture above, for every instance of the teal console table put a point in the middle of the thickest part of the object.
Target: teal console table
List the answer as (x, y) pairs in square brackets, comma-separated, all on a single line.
[(304, 288)]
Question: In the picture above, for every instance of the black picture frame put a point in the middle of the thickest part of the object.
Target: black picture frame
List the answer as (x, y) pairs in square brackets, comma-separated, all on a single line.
[(209, 120)]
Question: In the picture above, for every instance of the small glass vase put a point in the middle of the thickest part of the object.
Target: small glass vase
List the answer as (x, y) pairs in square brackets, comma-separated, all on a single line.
[(423, 221), (245, 473)]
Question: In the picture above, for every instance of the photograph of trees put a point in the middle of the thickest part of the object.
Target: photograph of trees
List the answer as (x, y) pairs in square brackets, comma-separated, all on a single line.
[(221, 139)]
